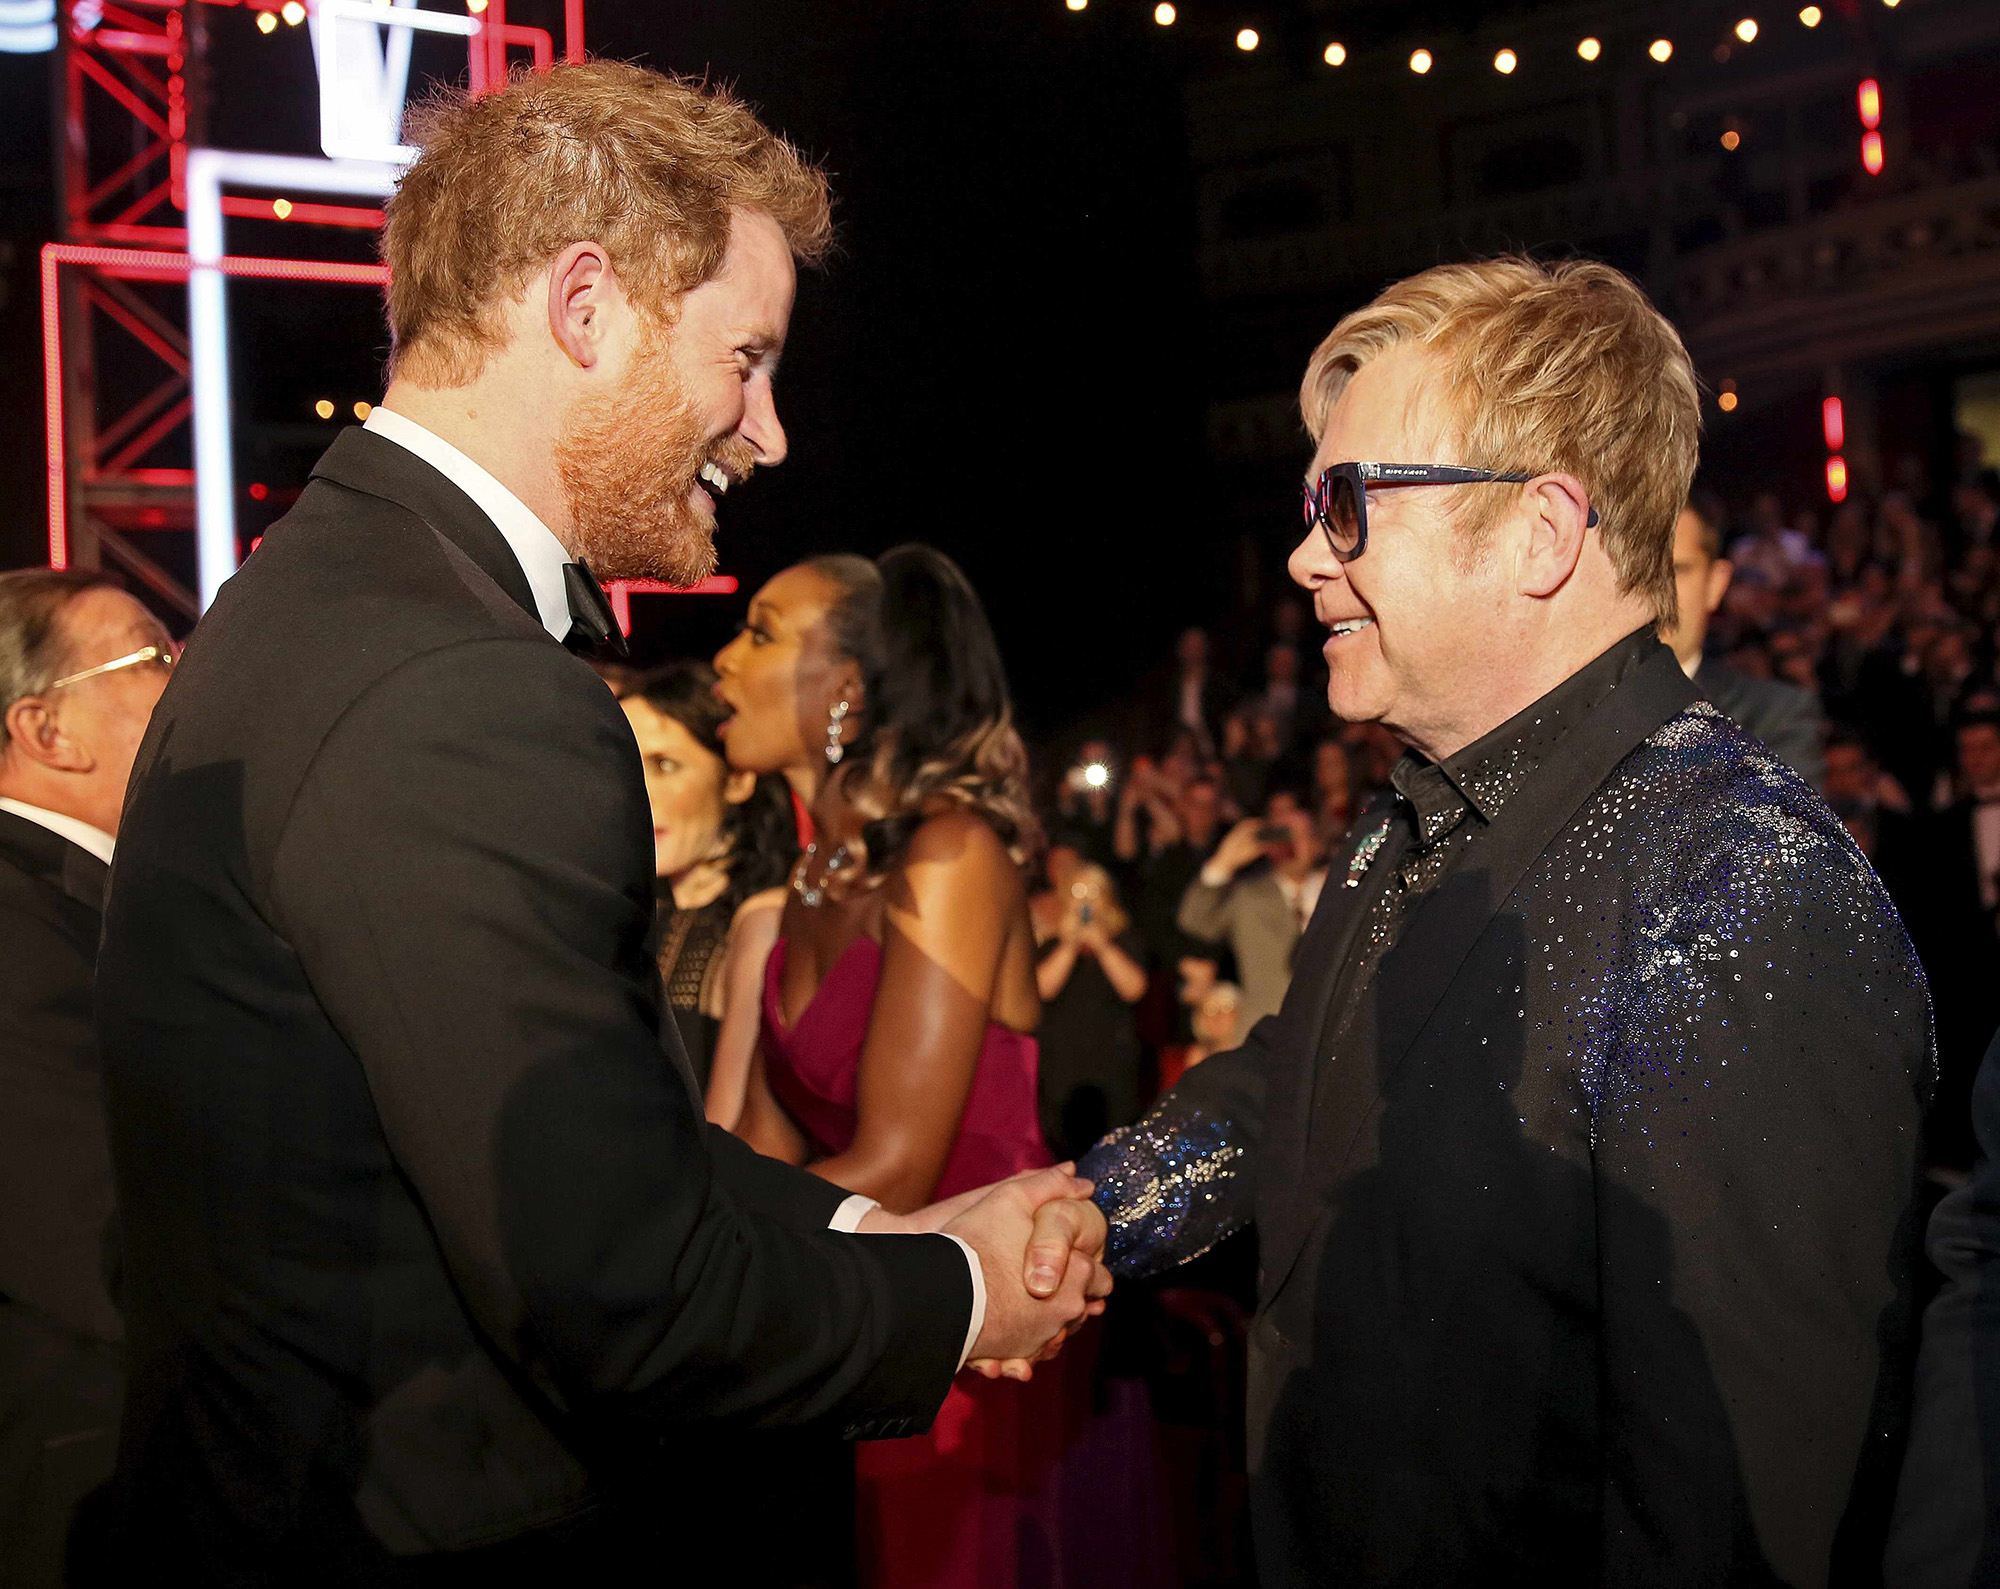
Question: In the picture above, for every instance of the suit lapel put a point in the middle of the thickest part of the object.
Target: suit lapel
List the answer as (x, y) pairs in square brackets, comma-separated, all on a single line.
[(377, 467), (1326, 947), (1416, 975)]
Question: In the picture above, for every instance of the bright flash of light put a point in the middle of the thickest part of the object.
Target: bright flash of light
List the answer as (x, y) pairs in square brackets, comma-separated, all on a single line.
[(1247, 40), (293, 13), (281, 208), (1165, 14), (1336, 55), (1732, 139), (1420, 61), (1589, 49), (1811, 16), (1505, 62), (1097, 775), (266, 22), (1726, 402), (1661, 50), (1746, 30), (324, 408)]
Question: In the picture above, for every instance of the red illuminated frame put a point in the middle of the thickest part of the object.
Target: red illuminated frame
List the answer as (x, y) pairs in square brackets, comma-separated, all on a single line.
[(138, 264)]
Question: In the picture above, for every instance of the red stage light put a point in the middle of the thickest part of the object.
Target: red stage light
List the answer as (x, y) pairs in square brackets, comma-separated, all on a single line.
[(1869, 100), (1833, 420), (1836, 478), (1871, 153), (259, 491)]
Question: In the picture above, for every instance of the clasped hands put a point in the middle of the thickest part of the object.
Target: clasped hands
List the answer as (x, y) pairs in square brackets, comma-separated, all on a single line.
[(1040, 1242)]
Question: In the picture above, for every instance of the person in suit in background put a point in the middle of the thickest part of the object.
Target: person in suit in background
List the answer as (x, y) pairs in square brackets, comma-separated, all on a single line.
[(1256, 893), (81, 666), (1952, 889), (1783, 716), (433, 1268), (1582, 1152)]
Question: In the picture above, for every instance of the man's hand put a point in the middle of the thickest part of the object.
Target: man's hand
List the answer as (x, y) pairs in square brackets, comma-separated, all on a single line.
[(1039, 1245), (1062, 1237), (1242, 846)]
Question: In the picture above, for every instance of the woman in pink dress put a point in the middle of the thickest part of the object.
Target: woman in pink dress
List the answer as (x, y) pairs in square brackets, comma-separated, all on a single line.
[(897, 1057)]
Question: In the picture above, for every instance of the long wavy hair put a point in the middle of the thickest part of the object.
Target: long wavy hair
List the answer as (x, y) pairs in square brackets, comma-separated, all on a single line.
[(936, 727), (763, 835)]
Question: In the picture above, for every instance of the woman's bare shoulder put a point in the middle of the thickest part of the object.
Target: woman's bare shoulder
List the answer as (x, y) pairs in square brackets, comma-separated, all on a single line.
[(769, 901)]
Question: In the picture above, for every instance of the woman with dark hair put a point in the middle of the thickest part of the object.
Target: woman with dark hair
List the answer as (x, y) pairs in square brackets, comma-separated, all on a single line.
[(723, 842), (897, 1057)]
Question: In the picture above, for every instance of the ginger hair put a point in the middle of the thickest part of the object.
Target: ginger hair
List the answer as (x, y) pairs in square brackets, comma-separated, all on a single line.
[(1544, 367), (652, 167)]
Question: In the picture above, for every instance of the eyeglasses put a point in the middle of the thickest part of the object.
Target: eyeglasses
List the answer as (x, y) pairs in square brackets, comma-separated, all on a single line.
[(160, 656), (1338, 502)]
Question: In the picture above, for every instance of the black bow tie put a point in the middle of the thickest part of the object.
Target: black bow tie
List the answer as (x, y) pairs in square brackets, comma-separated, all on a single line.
[(592, 622)]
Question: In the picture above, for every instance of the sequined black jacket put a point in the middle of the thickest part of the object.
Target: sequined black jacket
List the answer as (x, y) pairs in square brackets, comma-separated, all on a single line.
[(1584, 1255)]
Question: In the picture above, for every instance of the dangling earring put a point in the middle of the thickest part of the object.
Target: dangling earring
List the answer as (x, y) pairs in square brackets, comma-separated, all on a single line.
[(836, 714)]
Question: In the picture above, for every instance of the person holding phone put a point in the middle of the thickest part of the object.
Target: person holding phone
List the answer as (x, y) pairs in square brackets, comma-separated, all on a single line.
[(1090, 972), (1256, 894)]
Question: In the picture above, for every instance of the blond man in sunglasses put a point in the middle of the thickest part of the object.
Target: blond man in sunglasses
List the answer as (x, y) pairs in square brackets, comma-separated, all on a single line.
[(1581, 1150), (81, 664)]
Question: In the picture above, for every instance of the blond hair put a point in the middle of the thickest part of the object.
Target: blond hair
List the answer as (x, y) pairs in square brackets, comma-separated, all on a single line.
[(1562, 366), (652, 167)]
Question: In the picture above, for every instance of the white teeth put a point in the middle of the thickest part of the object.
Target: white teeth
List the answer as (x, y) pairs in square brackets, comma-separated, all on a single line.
[(1352, 625), (715, 477)]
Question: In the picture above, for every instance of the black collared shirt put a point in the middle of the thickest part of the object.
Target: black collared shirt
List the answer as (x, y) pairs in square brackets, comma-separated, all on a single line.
[(1441, 810)]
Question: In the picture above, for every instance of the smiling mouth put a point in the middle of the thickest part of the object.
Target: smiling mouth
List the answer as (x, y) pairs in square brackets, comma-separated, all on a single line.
[(1348, 626), (715, 478)]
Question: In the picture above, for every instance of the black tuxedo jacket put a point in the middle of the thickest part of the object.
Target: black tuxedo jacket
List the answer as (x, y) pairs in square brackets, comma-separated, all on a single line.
[(428, 1242), (1585, 1261), (55, 1165)]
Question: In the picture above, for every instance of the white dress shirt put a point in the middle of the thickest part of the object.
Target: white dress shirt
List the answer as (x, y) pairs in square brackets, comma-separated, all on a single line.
[(541, 557), (534, 544), (81, 834)]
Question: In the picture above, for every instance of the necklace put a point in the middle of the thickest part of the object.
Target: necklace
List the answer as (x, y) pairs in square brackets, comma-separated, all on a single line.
[(812, 896)]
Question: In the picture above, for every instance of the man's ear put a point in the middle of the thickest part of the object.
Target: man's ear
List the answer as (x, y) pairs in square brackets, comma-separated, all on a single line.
[(36, 734), (1558, 519), (738, 787), (1720, 572), (582, 285)]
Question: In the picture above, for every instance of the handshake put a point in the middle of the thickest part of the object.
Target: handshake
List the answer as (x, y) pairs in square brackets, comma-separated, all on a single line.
[(1040, 1244)]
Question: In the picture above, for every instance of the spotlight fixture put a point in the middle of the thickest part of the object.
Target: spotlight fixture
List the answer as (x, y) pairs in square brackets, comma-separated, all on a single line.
[(1336, 55), (1505, 62), (267, 22), (1247, 40), (1661, 50), (1589, 49), (1811, 16), (293, 13), (1420, 61), (1165, 14), (324, 408)]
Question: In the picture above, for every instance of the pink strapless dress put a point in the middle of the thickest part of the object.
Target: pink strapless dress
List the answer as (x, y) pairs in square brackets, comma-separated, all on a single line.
[(977, 1503)]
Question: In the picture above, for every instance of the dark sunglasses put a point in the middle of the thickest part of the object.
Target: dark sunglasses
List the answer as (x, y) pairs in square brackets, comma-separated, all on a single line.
[(1338, 502)]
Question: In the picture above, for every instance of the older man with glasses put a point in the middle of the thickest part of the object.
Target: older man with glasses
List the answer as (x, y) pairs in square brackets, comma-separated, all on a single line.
[(1581, 1148), (81, 665)]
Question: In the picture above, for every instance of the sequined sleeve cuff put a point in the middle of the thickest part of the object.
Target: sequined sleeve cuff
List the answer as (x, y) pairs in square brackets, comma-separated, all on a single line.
[(1171, 1187)]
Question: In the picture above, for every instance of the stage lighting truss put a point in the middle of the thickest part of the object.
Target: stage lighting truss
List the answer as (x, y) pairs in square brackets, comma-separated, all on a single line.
[(135, 56)]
